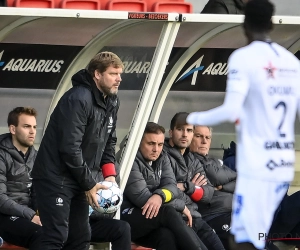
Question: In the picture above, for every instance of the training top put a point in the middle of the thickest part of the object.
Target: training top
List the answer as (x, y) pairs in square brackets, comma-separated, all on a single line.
[(262, 98)]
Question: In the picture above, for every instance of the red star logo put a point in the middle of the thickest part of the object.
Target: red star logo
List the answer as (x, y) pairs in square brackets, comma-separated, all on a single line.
[(270, 70)]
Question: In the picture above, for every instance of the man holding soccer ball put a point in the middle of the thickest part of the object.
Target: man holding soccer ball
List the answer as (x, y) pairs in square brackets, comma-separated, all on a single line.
[(79, 140)]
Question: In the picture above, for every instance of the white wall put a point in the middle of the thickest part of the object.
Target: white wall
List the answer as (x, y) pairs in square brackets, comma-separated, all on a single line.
[(283, 7)]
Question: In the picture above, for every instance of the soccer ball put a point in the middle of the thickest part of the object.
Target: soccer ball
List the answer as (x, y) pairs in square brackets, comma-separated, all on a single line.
[(109, 199)]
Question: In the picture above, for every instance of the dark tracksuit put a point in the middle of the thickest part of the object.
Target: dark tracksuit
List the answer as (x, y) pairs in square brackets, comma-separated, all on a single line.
[(218, 214), (185, 167), (224, 7), (167, 230), (106, 229), (16, 207), (286, 223), (79, 139)]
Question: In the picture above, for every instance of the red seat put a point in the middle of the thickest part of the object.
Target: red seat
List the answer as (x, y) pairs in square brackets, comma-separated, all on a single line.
[(179, 7), (7, 246), (80, 4), (34, 3), (127, 5), (150, 3)]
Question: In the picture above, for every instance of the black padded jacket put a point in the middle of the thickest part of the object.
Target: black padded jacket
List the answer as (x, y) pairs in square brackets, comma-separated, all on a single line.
[(224, 7), (80, 137), (145, 180), (217, 173), (15, 180)]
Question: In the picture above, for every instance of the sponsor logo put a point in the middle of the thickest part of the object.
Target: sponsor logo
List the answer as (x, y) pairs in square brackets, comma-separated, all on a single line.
[(110, 124), (138, 67), (212, 69), (1, 62), (272, 164), (31, 65), (279, 145), (239, 204), (280, 90), (13, 218), (127, 210), (59, 201), (270, 70), (226, 227)]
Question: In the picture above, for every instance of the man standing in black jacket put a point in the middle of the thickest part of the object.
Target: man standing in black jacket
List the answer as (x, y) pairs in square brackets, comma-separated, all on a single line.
[(79, 140), (221, 177), (19, 223)]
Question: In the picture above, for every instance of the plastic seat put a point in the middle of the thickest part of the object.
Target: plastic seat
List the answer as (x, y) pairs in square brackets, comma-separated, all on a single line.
[(127, 5), (80, 4), (150, 3), (179, 7), (34, 3), (7, 246)]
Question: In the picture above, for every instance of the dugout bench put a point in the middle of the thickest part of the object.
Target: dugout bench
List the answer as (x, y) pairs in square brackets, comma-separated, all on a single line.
[(94, 246)]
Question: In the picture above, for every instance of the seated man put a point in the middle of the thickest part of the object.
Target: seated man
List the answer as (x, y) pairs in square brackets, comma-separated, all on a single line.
[(106, 229), (20, 225), (221, 177), (150, 188), (214, 205)]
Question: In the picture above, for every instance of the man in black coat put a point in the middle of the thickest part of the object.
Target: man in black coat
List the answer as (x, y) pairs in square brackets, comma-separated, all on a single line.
[(150, 205), (79, 140), (19, 223), (221, 177)]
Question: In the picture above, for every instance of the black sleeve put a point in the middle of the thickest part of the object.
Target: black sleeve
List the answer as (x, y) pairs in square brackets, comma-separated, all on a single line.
[(208, 188), (219, 174), (109, 154), (136, 189), (167, 181), (215, 7), (72, 115)]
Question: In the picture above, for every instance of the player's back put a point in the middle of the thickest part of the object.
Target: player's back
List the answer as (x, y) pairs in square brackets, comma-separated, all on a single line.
[(266, 129)]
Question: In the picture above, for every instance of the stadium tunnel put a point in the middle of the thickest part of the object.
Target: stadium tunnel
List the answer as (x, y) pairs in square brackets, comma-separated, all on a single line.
[(173, 62)]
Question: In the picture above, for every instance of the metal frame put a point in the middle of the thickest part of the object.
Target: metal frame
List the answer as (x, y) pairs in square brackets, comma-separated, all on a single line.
[(147, 98), (180, 64)]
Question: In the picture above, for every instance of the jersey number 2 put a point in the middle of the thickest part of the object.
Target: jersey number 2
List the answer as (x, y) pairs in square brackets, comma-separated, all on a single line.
[(281, 104)]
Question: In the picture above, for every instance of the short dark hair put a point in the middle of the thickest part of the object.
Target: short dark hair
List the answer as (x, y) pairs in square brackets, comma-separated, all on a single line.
[(13, 116), (154, 128), (258, 15), (102, 61), (179, 119)]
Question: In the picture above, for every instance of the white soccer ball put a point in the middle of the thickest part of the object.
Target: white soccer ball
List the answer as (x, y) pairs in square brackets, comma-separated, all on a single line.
[(109, 199)]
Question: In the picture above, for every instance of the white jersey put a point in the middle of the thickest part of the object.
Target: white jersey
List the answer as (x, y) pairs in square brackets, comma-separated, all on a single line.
[(266, 78)]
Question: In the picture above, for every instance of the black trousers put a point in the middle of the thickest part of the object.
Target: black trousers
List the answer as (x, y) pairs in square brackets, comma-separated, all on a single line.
[(207, 234), (20, 232), (221, 225), (287, 222), (109, 230), (64, 213), (164, 232)]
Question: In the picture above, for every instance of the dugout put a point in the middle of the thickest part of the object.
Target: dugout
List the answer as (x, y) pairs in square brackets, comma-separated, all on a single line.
[(173, 62)]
